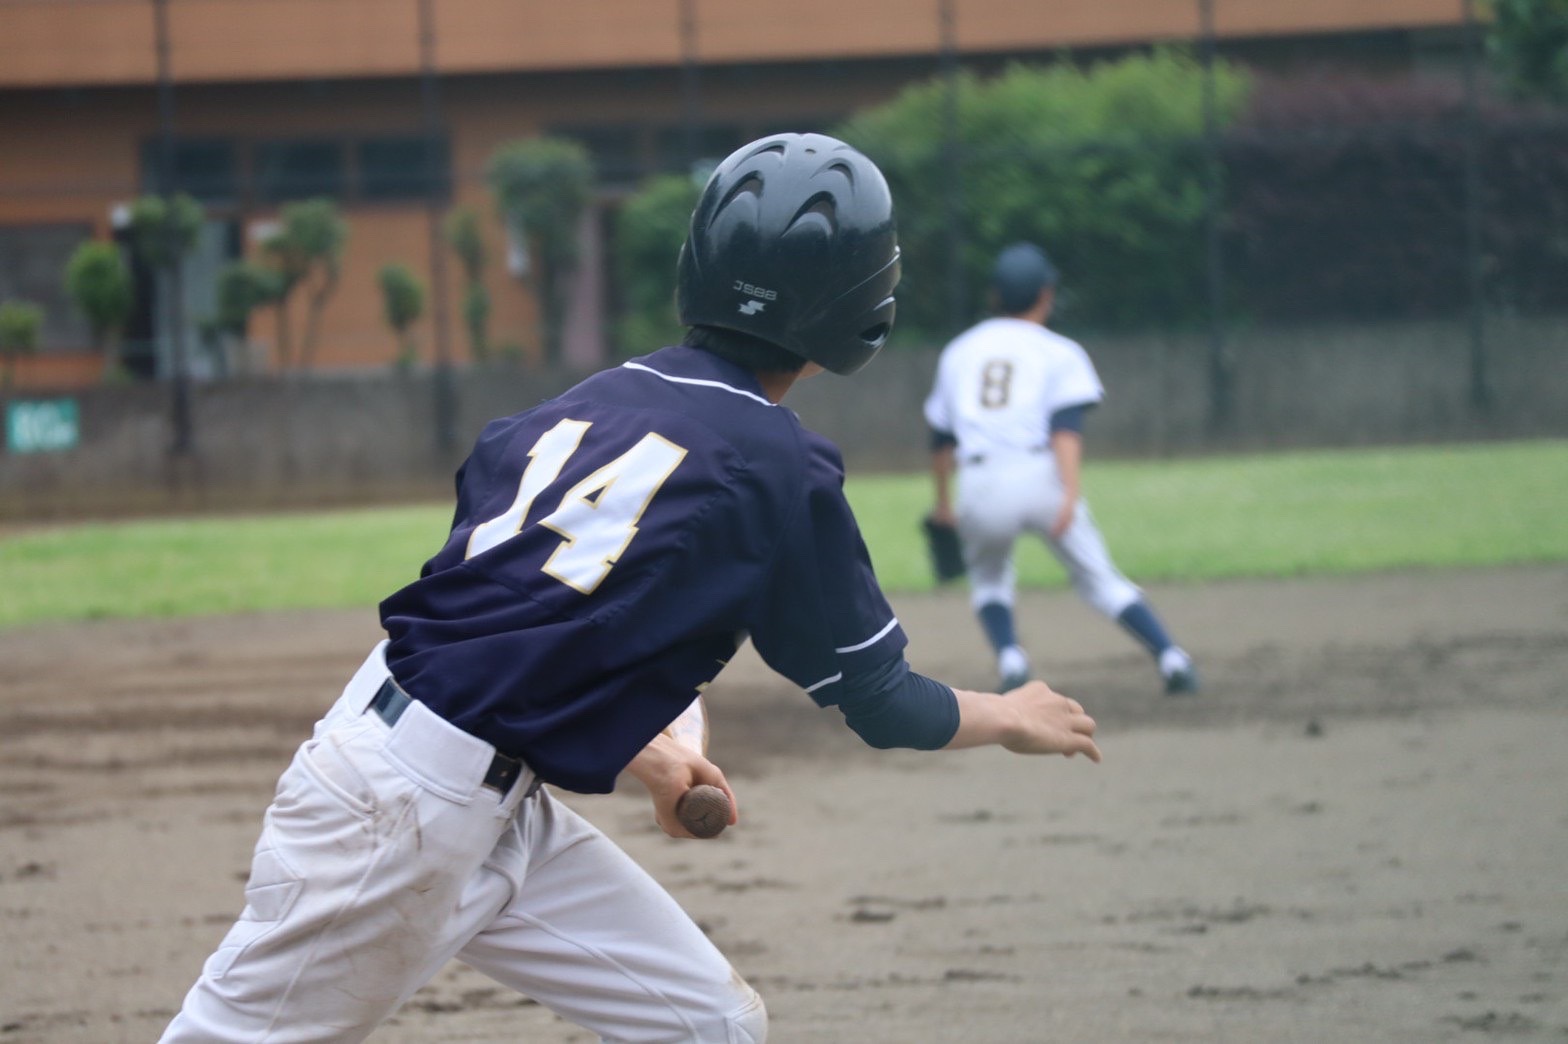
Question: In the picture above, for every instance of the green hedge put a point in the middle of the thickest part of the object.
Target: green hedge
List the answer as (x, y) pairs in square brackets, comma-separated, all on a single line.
[(1100, 165)]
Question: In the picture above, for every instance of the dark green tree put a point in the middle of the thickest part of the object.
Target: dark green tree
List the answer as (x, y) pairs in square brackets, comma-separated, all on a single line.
[(403, 302), (649, 231), (244, 286), (20, 323), (99, 281), (463, 232), (165, 230), (1527, 42), (542, 186), (1102, 166), (305, 251)]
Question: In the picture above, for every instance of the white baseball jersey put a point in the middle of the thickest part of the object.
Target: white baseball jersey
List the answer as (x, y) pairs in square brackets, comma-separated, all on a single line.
[(999, 382)]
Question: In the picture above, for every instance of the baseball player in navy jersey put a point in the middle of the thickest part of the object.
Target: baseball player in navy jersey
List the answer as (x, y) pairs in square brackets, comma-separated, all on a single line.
[(610, 550), (1007, 412)]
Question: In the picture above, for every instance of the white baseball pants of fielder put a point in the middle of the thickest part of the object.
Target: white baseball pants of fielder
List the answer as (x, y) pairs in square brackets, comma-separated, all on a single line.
[(1011, 492), (383, 856)]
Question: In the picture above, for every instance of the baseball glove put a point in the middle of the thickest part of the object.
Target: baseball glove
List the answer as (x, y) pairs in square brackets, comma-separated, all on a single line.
[(947, 554)]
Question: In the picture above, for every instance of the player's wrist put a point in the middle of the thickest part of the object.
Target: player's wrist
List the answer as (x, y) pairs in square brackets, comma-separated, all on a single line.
[(1012, 727), (658, 762), (986, 719)]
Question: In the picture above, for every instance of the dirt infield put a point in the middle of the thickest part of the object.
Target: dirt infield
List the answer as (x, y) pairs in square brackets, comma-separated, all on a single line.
[(1358, 832)]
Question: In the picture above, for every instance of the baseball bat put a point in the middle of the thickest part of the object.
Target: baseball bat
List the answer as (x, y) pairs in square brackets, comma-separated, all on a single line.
[(704, 810)]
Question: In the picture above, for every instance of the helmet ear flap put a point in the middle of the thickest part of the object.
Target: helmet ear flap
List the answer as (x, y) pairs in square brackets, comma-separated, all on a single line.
[(793, 241), (859, 323)]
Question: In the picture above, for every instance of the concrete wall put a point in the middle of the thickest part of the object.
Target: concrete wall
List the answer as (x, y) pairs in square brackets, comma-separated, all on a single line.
[(1295, 387), (271, 443), (262, 443)]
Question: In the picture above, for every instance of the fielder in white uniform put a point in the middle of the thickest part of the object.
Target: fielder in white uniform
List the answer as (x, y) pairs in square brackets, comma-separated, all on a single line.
[(1006, 412)]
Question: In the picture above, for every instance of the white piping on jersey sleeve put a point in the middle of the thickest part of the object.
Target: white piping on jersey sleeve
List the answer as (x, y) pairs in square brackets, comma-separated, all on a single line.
[(869, 641), (698, 381), (854, 648), (826, 681)]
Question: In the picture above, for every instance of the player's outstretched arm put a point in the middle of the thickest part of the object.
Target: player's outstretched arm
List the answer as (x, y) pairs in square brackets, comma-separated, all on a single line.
[(669, 768), (1031, 719)]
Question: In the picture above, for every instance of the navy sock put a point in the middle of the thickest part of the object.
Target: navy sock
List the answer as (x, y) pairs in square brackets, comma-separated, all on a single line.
[(1143, 625), (997, 619)]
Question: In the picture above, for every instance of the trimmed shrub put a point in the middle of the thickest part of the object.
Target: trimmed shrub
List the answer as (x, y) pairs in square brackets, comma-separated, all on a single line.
[(1101, 166)]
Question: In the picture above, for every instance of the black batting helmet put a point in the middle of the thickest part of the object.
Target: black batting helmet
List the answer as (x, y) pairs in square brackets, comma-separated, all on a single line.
[(793, 242)]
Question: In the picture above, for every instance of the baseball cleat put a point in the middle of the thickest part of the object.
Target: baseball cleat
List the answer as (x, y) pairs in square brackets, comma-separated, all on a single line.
[(1181, 682), (1181, 678), (1013, 666)]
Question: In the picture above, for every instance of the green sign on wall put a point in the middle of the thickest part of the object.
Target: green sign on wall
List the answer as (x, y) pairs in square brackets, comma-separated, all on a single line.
[(41, 425)]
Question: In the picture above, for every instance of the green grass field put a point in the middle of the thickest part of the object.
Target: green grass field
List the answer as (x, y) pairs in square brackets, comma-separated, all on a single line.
[(1275, 515)]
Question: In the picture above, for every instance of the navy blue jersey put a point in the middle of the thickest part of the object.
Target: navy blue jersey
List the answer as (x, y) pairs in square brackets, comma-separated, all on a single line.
[(613, 547)]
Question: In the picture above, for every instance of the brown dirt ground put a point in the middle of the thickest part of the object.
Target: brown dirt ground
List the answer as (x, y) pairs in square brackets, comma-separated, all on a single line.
[(1358, 832)]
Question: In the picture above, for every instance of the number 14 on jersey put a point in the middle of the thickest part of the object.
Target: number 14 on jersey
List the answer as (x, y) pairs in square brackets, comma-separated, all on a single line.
[(596, 518)]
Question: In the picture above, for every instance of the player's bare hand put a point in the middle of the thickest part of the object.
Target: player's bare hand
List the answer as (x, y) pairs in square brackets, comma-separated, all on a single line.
[(1031, 719), (1049, 723), (668, 769)]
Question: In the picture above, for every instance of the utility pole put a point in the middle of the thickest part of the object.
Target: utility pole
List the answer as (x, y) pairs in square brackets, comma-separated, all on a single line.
[(183, 446), (952, 195), (691, 89), (436, 189), (1221, 376), (1480, 387)]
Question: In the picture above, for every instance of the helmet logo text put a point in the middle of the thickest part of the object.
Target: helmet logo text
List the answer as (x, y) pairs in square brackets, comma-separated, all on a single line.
[(755, 291)]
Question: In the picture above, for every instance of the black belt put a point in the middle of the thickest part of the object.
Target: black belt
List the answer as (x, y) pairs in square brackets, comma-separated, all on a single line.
[(979, 458), (390, 703)]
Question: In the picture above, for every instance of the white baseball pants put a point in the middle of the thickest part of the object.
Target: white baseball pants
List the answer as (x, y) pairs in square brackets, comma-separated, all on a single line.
[(1009, 493), (383, 856)]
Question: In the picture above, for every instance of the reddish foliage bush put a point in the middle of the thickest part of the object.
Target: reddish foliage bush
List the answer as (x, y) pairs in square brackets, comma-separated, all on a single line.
[(1347, 198)]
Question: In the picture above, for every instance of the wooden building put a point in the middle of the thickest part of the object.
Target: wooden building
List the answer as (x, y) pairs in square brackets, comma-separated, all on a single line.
[(260, 102)]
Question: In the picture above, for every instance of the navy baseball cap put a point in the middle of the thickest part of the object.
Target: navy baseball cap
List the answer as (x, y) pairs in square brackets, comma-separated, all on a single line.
[(1021, 272)]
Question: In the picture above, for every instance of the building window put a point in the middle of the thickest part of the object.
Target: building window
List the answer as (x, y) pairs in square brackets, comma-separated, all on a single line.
[(712, 143), (401, 168), (615, 150), (373, 169), (206, 168), (32, 268), (299, 169)]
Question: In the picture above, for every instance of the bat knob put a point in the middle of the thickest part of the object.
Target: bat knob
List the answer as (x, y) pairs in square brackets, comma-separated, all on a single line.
[(704, 811)]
